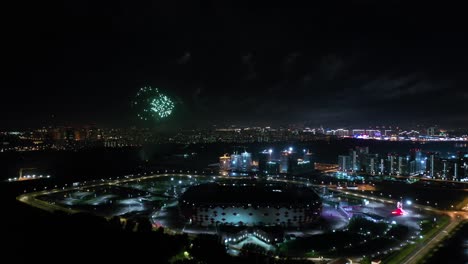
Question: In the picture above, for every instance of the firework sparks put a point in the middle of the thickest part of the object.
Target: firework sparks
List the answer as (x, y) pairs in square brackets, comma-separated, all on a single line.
[(152, 104)]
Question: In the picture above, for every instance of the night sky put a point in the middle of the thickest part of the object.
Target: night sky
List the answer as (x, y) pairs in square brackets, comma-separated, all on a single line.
[(354, 64)]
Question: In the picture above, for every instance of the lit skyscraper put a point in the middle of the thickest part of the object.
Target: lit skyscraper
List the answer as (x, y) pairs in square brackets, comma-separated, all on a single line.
[(430, 131), (416, 156), (272, 167), (241, 162), (391, 167), (357, 155), (369, 163), (344, 163), (236, 162), (263, 159), (403, 165), (434, 165), (284, 161), (224, 162), (246, 161)]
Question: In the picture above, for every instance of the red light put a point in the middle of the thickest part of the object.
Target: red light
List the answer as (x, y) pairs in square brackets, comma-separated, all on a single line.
[(398, 211)]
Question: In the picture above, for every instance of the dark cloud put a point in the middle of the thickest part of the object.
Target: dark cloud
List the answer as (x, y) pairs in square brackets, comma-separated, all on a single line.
[(395, 87), (331, 66), (249, 67), (290, 62), (184, 59), (332, 89)]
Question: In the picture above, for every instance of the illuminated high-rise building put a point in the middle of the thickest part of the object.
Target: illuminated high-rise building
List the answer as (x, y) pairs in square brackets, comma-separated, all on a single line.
[(447, 167), (460, 168), (308, 156), (419, 163), (391, 164), (263, 158), (241, 162), (431, 131), (246, 161), (225, 162), (463, 163), (357, 155), (288, 160), (355, 164), (344, 163), (272, 168), (284, 161), (434, 165), (382, 167), (369, 163), (431, 164), (236, 163), (300, 166), (404, 165)]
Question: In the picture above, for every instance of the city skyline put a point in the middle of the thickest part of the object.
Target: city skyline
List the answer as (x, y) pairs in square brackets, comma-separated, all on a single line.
[(245, 125), (219, 132), (362, 63)]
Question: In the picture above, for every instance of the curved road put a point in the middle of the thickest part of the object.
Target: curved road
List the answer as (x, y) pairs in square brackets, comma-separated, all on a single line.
[(422, 250)]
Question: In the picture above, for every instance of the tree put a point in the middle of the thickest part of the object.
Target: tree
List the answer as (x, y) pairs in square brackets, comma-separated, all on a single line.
[(115, 223), (144, 225), (130, 225), (208, 248)]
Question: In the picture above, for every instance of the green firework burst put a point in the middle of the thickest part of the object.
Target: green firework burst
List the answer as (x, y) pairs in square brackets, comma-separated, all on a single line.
[(151, 104)]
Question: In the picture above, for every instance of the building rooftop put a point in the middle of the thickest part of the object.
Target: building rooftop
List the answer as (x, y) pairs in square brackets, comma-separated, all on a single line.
[(249, 193)]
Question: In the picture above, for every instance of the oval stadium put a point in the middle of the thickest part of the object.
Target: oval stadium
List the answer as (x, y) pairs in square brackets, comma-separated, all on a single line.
[(250, 203)]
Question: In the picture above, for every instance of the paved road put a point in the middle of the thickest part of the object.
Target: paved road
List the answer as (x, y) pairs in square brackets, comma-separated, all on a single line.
[(425, 248), (422, 250), (31, 198)]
